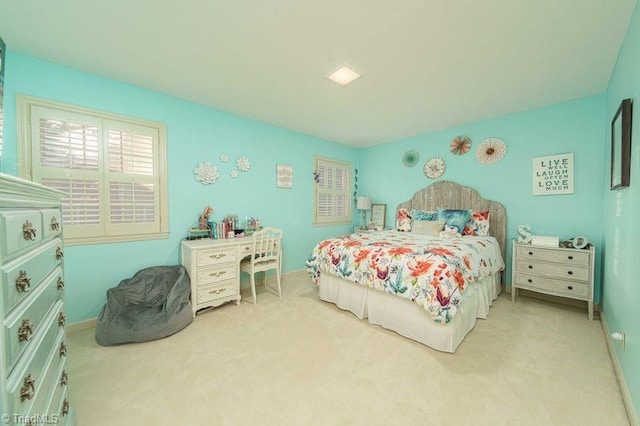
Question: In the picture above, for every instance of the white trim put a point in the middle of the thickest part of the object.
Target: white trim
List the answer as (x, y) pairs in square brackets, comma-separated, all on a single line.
[(82, 325), (617, 368)]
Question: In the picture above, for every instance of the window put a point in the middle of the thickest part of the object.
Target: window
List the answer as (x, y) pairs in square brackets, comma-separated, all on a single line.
[(112, 168), (332, 192)]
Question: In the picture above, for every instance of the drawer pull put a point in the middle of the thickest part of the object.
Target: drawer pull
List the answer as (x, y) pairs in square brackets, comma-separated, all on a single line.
[(530, 280), (530, 253), (63, 349), (218, 291), (570, 287), (28, 388), (26, 330), (217, 256), (23, 282), (65, 407), (62, 319), (570, 272), (217, 273), (59, 253), (60, 284), (64, 378), (28, 231), (55, 226), (570, 257), (530, 266)]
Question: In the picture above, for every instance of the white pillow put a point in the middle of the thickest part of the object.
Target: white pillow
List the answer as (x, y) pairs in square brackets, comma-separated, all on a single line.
[(427, 227)]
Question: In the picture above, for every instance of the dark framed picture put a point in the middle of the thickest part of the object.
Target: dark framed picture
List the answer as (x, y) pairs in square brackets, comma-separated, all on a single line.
[(621, 146)]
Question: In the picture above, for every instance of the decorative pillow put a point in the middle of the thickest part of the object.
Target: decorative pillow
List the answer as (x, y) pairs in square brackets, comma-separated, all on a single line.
[(427, 227), (456, 218), (423, 214), (403, 220), (478, 224)]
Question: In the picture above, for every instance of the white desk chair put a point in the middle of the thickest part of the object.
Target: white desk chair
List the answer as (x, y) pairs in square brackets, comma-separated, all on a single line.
[(266, 255)]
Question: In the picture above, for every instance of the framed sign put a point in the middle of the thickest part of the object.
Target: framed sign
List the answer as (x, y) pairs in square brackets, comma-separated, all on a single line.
[(621, 146), (553, 175), (284, 176), (378, 215)]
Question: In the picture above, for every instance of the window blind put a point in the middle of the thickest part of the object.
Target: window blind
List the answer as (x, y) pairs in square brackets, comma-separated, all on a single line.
[(332, 192)]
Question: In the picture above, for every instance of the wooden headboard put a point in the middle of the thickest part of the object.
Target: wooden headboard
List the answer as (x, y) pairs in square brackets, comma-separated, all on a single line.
[(450, 195)]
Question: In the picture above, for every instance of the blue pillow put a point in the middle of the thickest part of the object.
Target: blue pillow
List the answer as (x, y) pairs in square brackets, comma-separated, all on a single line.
[(423, 214), (456, 218)]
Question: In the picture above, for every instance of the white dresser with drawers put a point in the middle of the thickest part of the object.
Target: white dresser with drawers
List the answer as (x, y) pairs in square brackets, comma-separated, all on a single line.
[(33, 371), (214, 270), (564, 272)]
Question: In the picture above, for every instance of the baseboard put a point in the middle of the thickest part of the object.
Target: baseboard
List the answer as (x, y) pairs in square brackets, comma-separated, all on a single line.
[(91, 323), (622, 384), (81, 325)]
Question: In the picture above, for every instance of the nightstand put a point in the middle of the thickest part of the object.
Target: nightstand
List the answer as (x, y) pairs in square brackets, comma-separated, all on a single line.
[(563, 272)]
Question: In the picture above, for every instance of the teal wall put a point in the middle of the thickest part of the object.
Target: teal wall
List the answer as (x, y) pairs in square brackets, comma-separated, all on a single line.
[(621, 285), (195, 133), (574, 126)]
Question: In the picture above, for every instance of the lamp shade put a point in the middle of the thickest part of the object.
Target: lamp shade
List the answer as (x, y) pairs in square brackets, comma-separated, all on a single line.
[(363, 203)]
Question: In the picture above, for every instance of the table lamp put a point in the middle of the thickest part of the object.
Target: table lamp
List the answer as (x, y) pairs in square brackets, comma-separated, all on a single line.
[(363, 204)]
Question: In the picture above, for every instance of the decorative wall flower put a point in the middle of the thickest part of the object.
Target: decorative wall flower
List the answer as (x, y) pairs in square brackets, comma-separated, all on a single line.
[(224, 158), (206, 173), (434, 168), (233, 173), (491, 151), (460, 145), (242, 163), (410, 158)]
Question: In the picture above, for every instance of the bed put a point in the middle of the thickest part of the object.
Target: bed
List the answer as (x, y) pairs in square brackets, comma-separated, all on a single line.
[(429, 289)]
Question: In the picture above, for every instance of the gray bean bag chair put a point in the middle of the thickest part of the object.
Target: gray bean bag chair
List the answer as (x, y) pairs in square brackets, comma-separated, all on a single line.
[(153, 304)]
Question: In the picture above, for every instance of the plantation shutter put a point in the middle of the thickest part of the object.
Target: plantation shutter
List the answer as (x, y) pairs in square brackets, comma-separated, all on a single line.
[(132, 177), (66, 156), (109, 169), (333, 189)]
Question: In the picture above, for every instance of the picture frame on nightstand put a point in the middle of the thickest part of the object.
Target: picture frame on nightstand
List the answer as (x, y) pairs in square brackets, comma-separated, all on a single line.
[(378, 215)]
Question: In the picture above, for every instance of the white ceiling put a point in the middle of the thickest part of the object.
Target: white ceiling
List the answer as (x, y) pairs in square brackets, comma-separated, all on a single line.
[(427, 64)]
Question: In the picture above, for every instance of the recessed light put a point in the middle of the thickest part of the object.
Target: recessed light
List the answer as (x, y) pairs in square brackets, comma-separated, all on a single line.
[(343, 75)]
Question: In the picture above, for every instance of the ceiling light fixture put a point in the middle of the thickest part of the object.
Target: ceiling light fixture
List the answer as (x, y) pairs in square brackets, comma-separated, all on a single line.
[(343, 75)]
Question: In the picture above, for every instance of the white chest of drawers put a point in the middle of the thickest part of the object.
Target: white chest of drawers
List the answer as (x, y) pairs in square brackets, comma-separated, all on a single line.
[(33, 372), (560, 272), (214, 270)]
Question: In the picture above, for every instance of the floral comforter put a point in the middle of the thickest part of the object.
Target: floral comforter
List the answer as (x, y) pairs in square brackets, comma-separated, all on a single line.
[(431, 271)]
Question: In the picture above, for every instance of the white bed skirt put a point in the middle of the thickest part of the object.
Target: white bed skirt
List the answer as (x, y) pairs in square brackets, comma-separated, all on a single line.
[(406, 317)]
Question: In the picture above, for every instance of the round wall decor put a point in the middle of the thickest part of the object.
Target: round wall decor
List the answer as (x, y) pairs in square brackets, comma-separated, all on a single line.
[(206, 173), (460, 145), (243, 164), (410, 158), (434, 168), (491, 151)]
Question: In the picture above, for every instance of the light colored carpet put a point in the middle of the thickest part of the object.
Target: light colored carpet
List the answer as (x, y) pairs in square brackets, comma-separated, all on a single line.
[(301, 361)]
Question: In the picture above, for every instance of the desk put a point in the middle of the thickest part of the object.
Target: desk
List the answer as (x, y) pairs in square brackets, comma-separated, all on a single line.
[(214, 270)]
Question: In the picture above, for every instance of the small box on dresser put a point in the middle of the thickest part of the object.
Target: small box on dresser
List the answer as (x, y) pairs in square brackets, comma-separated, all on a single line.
[(563, 272), (34, 380)]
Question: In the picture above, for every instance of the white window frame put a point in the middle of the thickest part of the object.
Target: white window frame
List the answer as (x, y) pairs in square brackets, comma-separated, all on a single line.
[(104, 232), (345, 166)]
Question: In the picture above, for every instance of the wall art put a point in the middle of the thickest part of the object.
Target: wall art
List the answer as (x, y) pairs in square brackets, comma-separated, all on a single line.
[(491, 151), (621, 146), (242, 163), (553, 174), (206, 173), (460, 145), (284, 176), (434, 168), (410, 158)]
